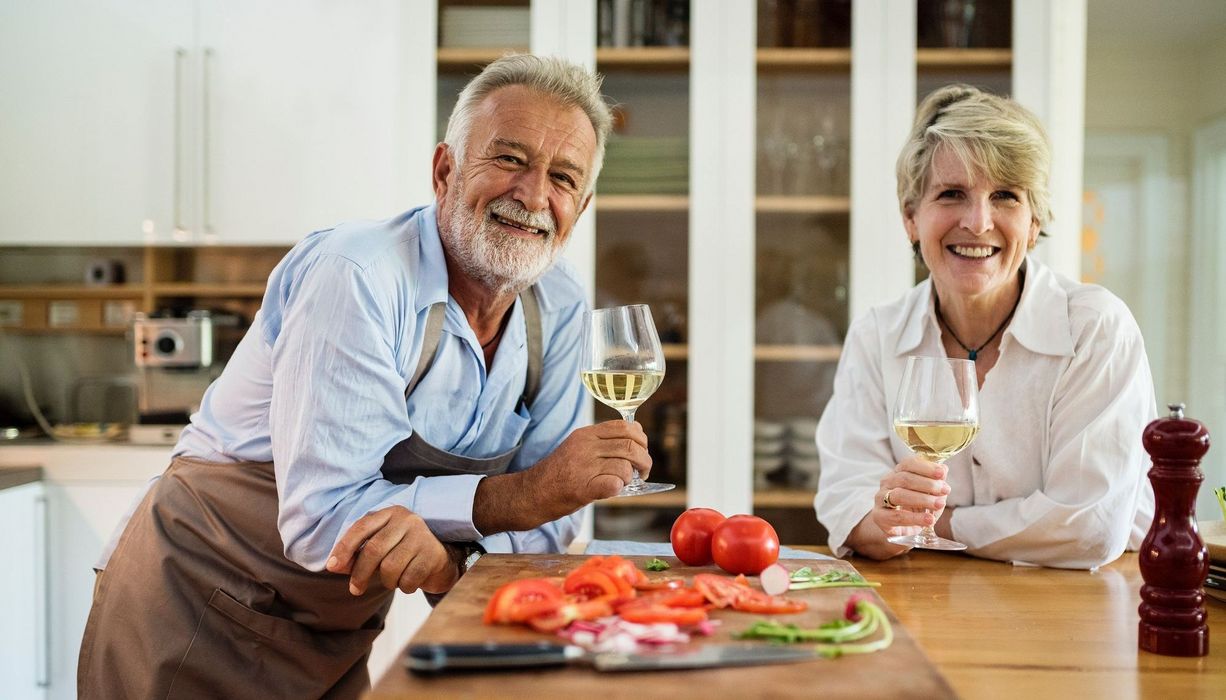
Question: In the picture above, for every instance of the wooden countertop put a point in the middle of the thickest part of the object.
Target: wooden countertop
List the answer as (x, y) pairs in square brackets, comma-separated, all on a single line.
[(1000, 631), (19, 476), (994, 630)]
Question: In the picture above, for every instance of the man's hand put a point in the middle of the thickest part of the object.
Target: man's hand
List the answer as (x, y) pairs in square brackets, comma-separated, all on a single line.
[(394, 544), (592, 463)]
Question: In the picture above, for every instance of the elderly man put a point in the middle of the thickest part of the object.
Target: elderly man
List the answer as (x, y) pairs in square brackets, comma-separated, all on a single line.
[(407, 396)]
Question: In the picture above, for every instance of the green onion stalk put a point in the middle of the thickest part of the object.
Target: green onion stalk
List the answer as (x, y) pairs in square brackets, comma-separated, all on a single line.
[(1220, 492), (862, 618), (805, 578)]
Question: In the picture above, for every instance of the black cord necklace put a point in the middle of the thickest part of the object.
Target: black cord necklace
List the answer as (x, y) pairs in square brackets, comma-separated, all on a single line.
[(973, 353)]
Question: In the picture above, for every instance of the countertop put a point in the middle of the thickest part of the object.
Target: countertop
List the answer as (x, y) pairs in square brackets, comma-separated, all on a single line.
[(993, 631), (19, 476)]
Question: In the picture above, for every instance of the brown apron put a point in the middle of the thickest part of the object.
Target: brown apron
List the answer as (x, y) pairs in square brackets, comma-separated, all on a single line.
[(199, 601)]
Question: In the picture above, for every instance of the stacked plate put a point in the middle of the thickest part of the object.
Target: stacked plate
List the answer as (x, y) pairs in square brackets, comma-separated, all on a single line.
[(1214, 534), (802, 451), (769, 450), (484, 27), (643, 165)]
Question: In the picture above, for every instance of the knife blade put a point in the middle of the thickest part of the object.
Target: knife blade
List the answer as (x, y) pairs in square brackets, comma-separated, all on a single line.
[(437, 658)]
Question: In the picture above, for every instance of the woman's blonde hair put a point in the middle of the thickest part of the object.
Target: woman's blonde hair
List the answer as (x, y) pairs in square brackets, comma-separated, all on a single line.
[(989, 134)]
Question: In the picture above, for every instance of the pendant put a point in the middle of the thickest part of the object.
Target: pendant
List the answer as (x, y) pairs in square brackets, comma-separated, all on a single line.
[(974, 353)]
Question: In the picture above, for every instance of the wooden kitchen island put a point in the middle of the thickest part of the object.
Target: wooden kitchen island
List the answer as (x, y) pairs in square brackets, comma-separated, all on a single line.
[(992, 630)]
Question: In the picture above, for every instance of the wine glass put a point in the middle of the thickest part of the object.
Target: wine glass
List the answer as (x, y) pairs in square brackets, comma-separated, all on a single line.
[(936, 415), (622, 365)]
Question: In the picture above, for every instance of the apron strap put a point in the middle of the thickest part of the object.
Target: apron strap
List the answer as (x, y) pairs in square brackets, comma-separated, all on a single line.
[(532, 323), (429, 344)]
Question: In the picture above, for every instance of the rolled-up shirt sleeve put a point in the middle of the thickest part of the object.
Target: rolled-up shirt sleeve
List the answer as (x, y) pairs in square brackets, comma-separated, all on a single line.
[(337, 407), (853, 437), (1094, 476)]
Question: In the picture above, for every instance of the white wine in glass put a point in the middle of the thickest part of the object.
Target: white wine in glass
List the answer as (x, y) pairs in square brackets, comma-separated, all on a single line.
[(623, 365), (936, 416)]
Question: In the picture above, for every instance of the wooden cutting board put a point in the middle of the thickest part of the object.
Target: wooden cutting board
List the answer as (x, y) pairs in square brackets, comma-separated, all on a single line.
[(901, 671)]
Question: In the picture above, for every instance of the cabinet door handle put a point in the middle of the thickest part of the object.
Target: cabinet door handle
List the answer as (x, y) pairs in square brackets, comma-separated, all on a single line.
[(207, 134), (42, 671), (180, 57)]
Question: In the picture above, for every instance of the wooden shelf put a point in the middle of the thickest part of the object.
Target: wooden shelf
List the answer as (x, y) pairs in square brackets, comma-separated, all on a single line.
[(642, 57), (769, 498), (197, 289), (966, 59), (71, 291), (791, 204), (774, 59), (641, 202), (459, 59), (769, 353), (797, 353), (72, 330)]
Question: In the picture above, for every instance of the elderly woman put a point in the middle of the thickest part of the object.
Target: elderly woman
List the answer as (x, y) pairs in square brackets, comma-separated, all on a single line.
[(1057, 475)]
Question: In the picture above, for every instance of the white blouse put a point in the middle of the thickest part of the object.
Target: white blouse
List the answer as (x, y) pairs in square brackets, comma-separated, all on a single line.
[(1057, 475)]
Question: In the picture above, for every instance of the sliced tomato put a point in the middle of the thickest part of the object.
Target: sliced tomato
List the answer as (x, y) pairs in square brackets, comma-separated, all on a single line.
[(763, 604), (618, 567), (740, 580), (660, 584), (520, 601), (647, 613), (676, 597), (590, 583), (720, 591), (569, 612)]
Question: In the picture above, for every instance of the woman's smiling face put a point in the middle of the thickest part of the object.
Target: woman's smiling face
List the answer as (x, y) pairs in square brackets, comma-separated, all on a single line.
[(973, 233)]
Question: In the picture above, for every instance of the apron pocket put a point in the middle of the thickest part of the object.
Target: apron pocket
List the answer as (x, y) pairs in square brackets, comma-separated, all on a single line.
[(240, 653)]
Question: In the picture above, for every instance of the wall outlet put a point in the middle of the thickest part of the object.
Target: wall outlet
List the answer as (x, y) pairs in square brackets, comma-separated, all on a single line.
[(11, 312)]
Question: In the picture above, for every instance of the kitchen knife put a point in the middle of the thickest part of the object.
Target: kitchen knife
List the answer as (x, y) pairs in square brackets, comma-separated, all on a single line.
[(435, 658)]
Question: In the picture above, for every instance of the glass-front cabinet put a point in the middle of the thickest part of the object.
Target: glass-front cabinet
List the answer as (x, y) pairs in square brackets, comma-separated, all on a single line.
[(748, 198)]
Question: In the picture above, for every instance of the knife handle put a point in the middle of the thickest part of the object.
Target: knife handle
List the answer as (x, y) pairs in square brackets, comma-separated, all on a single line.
[(434, 658)]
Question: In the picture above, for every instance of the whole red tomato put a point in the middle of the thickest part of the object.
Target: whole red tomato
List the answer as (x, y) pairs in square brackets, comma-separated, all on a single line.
[(691, 535), (744, 544)]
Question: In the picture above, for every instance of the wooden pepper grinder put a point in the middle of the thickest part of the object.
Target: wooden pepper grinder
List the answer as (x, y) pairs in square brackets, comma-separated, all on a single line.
[(1174, 562)]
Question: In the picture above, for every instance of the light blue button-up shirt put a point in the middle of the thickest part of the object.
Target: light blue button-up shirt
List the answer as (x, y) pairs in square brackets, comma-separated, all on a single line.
[(317, 387)]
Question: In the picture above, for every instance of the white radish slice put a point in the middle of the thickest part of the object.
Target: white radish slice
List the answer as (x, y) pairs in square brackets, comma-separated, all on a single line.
[(775, 579)]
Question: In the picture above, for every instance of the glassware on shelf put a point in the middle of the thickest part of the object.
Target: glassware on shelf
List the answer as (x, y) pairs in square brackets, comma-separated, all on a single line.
[(957, 20)]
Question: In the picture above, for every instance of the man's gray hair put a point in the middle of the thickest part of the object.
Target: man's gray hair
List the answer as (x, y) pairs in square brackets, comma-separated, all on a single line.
[(566, 82)]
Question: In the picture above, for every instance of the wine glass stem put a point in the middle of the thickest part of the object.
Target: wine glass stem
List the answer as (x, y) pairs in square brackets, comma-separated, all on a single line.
[(928, 532), (637, 481)]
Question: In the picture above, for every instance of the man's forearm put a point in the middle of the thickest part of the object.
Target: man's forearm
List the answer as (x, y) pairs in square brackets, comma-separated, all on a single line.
[(508, 503)]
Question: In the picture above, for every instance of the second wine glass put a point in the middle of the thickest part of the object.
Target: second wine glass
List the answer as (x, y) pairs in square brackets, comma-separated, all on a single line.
[(937, 416), (622, 365)]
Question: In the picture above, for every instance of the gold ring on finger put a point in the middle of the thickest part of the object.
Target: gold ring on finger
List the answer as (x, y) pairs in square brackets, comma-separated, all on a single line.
[(885, 501)]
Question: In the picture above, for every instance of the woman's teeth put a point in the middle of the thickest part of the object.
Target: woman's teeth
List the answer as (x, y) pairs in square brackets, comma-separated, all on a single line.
[(973, 251)]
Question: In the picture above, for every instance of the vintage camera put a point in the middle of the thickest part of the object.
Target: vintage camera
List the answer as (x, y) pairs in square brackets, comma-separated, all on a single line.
[(174, 342)]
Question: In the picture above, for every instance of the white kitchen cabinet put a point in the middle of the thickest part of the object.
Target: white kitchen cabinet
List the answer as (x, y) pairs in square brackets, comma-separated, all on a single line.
[(305, 114), (23, 598), (82, 517), (209, 121), (91, 97)]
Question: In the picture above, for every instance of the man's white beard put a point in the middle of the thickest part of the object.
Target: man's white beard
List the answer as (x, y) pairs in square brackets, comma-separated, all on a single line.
[(502, 263)]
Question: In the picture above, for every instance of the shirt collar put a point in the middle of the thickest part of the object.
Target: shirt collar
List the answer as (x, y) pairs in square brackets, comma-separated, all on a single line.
[(1040, 323), (432, 271)]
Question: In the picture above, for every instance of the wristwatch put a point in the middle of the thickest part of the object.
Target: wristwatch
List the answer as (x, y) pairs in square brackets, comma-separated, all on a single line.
[(472, 552)]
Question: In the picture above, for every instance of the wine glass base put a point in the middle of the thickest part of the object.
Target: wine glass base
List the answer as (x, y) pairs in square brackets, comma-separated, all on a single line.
[(644, 488), (922, 542)]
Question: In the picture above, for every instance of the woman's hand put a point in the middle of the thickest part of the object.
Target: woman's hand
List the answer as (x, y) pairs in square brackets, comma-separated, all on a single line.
[(915, 486), (395, 545), (913, 495)]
